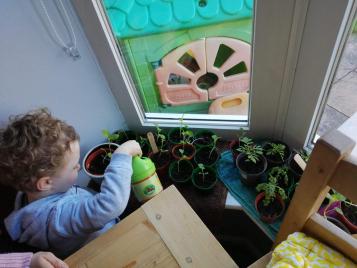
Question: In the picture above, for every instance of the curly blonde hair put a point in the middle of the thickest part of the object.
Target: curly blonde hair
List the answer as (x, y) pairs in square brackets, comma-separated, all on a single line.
[(33, 146)]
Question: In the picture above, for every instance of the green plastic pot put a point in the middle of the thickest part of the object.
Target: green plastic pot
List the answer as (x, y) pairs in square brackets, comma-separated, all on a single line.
[(173, 165), (195, 175)]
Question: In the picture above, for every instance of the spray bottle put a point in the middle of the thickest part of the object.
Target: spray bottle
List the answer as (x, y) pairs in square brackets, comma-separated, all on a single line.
[(144, 181)]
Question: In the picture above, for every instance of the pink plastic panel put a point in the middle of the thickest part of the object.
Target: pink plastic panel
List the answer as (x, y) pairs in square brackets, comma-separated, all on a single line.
[(235, 83), (188, 92)]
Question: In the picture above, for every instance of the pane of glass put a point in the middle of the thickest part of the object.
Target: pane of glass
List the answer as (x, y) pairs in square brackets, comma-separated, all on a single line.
[(187, 56), (342, 99)]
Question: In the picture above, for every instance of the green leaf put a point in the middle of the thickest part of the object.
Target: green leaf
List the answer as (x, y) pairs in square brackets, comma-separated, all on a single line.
[(106, 133)]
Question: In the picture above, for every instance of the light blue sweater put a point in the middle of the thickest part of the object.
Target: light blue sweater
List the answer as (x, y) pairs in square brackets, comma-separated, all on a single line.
[(64, 222)]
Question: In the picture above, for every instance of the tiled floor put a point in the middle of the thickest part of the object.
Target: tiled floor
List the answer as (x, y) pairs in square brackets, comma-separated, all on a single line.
[(342, 101)]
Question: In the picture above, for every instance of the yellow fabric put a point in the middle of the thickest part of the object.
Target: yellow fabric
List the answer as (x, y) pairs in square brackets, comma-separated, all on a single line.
[(300, 250)]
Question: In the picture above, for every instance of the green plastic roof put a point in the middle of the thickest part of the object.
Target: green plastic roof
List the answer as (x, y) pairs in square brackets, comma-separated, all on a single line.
[(142, 17)]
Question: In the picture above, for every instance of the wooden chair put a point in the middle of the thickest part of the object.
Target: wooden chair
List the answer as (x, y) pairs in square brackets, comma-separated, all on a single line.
[(332, 164)]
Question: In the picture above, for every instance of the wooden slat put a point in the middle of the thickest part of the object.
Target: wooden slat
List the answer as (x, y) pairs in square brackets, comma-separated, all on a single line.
[(344, 180), (184, 233), (133, 242), (349, 128), (313, 188), (326, 232), (262, 262)]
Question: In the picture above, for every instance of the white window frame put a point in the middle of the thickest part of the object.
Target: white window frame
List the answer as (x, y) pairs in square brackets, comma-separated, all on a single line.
[(321, 49), (267, 71), (281, 40)]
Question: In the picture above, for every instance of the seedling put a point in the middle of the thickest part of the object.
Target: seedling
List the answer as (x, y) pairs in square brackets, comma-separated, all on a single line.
[(280, 174), (276, 149), (160, 139), (142, 141), (182, 153), (202, 171), (271, 189), (215, 139), (110, 138), (253, 152)]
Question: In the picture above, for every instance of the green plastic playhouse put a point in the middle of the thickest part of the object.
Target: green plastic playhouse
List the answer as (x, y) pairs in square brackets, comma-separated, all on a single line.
[(149, 30)]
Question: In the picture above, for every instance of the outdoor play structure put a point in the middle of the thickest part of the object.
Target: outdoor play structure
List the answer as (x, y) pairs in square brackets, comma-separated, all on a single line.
[(189, 56)]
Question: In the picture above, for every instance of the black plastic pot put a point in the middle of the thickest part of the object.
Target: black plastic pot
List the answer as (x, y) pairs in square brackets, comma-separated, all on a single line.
[(275, 160), (174, 136), (204, 138), (251, 173), (205, 157), (294, 168)]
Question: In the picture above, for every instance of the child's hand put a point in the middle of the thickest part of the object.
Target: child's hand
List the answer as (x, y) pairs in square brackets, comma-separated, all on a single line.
[(130, 147), (46, 260)]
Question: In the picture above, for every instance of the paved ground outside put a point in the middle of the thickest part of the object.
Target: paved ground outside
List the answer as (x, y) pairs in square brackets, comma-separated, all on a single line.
[(342, 101)]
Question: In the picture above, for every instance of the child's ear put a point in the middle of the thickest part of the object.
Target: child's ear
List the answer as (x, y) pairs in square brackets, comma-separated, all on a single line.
[(44, 184)]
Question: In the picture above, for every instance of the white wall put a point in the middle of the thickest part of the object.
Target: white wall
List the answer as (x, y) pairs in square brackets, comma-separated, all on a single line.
[(35, 72)]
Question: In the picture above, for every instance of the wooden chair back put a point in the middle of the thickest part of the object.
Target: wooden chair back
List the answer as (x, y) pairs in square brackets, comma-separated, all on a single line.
[(332, 164)]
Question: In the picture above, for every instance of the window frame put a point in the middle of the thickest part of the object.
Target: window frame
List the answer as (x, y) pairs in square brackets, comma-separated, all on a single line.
[(279, 28), (318, 60)]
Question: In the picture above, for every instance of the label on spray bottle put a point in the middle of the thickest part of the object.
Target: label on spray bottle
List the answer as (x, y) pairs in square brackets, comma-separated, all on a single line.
[(147, 188)]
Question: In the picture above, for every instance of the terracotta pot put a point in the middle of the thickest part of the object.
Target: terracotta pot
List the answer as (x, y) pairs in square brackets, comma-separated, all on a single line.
[(269, 218), (91, 155), (177, 156)]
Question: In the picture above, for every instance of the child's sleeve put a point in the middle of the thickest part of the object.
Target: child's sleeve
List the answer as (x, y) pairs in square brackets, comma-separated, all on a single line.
[(15, 260), (90, 214)]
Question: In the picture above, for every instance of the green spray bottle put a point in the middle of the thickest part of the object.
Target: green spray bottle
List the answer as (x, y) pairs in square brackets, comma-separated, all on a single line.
[(144, 181)]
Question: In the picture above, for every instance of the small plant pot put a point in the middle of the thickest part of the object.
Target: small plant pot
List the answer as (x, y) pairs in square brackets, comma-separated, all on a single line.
[(189, 151), (205, 157), (162, 162), (204, 138), (348, 216), (275, 160), (294, 169), (271, 212), (206, 183), (251, 173), (181, 171), (286, 187), (233, 146), (95, 161), (174, 136), (145, 146), (125, 136)]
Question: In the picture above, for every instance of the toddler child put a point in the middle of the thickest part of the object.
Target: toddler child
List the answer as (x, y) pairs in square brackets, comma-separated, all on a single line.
[(39, 156)]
